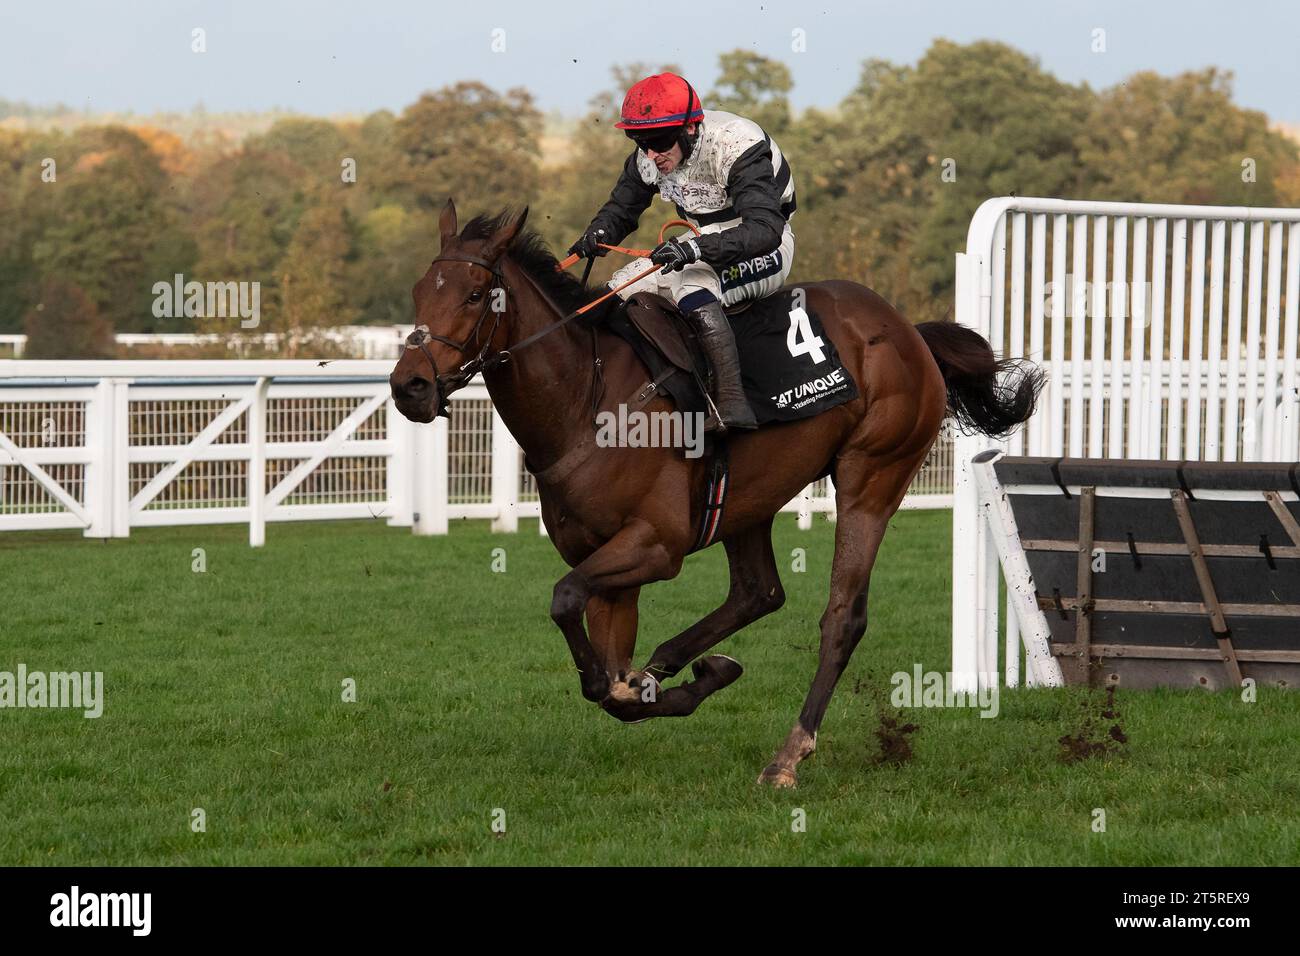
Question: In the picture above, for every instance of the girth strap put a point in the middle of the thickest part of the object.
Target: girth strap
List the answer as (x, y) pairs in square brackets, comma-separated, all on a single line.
[(650, 390), (715, 499)]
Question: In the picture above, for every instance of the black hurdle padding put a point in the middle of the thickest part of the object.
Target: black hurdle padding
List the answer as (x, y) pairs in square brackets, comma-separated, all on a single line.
[(1149, 520), (1127, 524), (1239, 476), (1170, 577), (1175, 630)]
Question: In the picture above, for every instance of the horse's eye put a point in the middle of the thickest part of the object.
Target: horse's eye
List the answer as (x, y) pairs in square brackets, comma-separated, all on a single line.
[(476, 295)]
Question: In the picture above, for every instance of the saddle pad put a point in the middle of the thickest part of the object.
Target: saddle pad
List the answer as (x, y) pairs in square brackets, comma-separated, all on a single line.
[(789, 365)]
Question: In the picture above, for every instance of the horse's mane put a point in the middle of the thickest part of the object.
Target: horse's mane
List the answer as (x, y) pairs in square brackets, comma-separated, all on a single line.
[(530, 252)]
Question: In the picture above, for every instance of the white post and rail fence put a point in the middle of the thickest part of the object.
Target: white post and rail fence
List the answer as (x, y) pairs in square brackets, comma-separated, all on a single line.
[(113, 445)]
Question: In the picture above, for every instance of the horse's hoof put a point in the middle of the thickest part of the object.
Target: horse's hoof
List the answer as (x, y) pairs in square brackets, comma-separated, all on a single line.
[(778, 777), (625, 692), (719, 668), (635, 688), (596, 689)]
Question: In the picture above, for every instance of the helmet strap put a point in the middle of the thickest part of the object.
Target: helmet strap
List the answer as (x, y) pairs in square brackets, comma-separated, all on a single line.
[(684, 140)]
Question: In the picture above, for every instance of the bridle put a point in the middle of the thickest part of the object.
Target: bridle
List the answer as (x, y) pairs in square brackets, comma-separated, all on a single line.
[(422, 335)]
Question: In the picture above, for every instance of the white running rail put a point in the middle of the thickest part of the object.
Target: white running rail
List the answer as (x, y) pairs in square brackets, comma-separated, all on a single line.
[(108, 446)]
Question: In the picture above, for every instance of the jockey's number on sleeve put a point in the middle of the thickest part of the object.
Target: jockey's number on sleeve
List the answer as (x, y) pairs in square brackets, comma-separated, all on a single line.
[(800, 339)]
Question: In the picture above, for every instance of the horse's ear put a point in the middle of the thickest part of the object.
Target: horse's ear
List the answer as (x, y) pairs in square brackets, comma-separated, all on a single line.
[(447, 222), (507, 234)]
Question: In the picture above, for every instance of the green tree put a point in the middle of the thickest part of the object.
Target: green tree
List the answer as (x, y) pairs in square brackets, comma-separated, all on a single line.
[(110, 229), (313, 272), (754, 86), (468, 142), (1181, 139), (18, 175), (894, 177), (65, 324), (887, 181), (316, 146), (394, 248), (248, 208), (373, 144)]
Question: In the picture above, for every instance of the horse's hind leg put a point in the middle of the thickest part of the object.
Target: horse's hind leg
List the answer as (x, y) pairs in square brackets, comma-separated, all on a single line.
[(867, 491)]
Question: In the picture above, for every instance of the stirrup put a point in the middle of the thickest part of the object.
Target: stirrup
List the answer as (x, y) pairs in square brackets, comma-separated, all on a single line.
[(713, 423)]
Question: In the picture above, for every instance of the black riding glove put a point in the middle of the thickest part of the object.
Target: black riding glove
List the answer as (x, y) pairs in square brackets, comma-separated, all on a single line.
[(675, 255), (588, 247)]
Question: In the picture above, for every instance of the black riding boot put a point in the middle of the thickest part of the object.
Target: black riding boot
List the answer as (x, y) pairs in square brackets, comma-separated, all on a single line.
[(720, 345)]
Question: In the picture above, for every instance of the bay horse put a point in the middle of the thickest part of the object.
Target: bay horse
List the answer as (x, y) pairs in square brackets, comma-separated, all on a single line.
[(624, 517)]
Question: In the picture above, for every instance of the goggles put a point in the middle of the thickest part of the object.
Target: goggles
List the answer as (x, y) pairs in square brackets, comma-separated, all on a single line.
[(657, 140)]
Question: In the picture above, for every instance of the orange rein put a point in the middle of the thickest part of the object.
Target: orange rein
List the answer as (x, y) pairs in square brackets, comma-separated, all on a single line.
[(565, 263)]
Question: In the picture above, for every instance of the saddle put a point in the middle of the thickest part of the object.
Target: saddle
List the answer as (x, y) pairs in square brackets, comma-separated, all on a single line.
[(668, 346), (789, 366)]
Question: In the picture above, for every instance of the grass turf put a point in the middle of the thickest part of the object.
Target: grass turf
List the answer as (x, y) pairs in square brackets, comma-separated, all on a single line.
[(223, 692)]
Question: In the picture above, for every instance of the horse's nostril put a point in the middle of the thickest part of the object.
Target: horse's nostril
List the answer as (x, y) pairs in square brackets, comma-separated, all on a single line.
[(414, 388)]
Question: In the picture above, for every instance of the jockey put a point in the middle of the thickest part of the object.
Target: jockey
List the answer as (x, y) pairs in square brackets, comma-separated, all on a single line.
[(729, 179)]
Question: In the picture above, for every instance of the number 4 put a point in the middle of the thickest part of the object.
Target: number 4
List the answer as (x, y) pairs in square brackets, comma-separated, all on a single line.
[(801, 328)]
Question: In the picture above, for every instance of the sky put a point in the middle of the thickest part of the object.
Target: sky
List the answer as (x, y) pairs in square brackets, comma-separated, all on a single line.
[(333, 57)]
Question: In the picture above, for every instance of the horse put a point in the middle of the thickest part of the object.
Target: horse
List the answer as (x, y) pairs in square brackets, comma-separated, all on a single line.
[(622, 518)]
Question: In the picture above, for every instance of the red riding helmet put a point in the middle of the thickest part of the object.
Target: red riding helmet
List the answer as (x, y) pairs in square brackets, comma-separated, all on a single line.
[(657, 110), (662, 101)]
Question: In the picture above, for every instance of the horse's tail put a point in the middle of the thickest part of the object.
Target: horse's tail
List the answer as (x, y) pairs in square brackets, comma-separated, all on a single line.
[(983, 393)]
